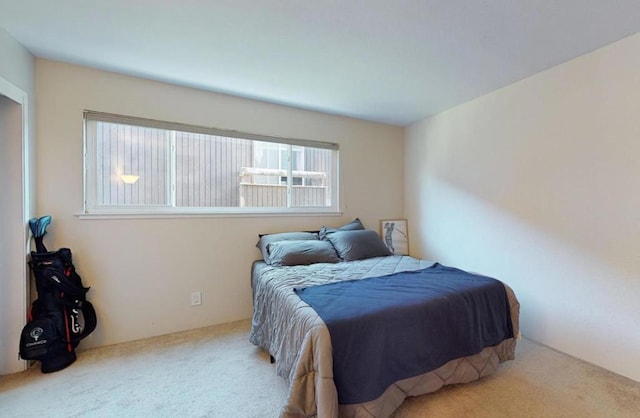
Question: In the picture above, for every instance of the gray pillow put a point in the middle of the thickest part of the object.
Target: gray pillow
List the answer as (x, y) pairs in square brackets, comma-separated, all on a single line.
[(354, 225), (358, 245), (293, 253), (267, 239)]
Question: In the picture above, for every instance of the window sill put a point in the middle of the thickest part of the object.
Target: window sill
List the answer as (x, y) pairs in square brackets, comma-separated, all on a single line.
[(179, 215)]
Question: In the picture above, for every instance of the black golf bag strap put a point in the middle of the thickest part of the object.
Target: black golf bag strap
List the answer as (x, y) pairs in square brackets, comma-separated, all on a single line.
[(63, 283)]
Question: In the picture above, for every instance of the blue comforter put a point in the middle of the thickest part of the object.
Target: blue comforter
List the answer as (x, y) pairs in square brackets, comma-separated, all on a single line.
[(389, 328)]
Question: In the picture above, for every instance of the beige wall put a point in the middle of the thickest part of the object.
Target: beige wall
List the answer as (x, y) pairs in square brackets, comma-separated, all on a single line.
[(142, 271), (16, 110), (538, 184)]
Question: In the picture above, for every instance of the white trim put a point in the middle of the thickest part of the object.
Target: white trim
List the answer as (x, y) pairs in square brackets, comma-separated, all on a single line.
[(289, 173), (87, 167), (172, 163), (168, 215), (11, 91), (21, 98)]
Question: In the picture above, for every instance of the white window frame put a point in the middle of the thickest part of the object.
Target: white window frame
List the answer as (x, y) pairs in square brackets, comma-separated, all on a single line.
[(92, 209)]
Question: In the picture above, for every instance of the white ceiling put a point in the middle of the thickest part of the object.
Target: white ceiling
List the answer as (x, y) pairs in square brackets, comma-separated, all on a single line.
[(392, 61)]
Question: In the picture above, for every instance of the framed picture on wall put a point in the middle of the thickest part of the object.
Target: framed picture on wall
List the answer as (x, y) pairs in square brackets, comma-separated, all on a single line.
[(395, 236)]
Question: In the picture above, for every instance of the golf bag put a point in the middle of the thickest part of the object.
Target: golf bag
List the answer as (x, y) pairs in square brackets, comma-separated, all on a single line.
[(61, 316)]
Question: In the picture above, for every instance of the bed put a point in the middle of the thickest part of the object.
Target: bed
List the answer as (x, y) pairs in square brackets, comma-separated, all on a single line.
[(300, 341)]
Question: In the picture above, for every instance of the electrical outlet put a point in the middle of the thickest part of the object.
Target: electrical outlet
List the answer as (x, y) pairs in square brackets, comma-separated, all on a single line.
[(196, 298)]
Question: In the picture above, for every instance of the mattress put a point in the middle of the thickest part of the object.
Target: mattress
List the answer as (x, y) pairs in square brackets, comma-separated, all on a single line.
[(293, 333)]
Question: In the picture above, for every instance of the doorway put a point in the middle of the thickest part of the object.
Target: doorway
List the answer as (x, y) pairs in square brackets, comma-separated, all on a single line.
[(14, 209)]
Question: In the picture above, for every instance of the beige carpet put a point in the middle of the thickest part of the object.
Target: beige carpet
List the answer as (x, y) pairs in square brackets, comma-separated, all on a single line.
[(216, 372)]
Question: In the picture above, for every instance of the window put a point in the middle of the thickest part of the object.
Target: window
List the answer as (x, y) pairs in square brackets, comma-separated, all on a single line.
[(143, 166)]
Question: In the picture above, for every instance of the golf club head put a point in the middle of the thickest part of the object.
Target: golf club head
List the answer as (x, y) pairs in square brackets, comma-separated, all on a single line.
[(42, 225), (33, 226)]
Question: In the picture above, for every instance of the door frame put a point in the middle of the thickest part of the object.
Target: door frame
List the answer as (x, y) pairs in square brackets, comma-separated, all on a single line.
[(20, 97)]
